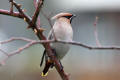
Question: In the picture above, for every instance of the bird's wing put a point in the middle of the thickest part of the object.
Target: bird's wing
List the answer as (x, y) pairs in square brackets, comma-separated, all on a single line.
[(44, 53), (50, 35)]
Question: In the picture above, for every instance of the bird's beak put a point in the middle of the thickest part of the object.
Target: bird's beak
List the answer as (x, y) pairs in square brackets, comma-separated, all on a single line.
[(74, 16)]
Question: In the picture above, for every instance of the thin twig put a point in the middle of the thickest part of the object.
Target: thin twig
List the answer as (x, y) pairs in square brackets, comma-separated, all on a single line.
[(16, 38), (96, 32), (50, 23), (38, 20), (60, 41), (8, 13), (26, 17), (33, 42), (40, 35), (43, 40), (4, 52), (11, 6), (37, 10), (48, 18), (51, 53)]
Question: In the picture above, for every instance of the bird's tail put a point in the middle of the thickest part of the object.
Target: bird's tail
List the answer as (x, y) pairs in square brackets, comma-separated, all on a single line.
[(48, 64)]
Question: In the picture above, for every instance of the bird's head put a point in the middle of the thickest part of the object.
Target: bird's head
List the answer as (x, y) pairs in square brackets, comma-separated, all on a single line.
[(67, 16)]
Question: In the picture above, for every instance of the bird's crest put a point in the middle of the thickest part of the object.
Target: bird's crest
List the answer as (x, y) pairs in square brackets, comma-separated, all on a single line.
[(61, 15)]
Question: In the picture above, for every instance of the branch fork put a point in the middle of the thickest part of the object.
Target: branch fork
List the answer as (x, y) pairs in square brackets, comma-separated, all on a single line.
[(32, 24)]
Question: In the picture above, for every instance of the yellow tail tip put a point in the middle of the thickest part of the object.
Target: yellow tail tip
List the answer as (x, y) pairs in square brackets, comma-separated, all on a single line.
[(44, 74)]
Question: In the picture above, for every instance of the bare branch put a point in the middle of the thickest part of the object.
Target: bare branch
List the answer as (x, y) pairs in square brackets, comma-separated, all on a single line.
[(38, 32), (22, 48), (50, 23), (96, 32), (11, 6), (38, 20), (26, 17), (50, 52), (16, 38), (4, 52), (3, 61), (48, 17), (15, 52), (32, 42), (42, 38), (14, 14), (89, 47), (35, 3), (36, 13)]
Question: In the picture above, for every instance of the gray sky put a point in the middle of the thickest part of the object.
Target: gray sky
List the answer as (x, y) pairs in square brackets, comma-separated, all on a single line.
[(88, 5)]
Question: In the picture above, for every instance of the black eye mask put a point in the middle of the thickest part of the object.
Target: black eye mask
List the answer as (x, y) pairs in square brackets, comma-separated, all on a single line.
[(69, 17)]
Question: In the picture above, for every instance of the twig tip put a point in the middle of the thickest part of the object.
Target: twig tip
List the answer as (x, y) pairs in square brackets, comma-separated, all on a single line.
[(19, 5)]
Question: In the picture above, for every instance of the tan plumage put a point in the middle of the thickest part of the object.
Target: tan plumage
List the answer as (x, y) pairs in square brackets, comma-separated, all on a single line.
[(61, 15), (63, 31)]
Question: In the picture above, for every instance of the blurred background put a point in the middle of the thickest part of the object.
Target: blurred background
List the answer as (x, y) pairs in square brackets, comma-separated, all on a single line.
[(80, 63)]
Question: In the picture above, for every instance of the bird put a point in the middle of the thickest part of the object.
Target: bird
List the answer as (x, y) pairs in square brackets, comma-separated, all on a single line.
[(61, 30)]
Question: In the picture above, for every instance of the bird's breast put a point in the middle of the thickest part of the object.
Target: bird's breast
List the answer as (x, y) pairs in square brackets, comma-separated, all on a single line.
[(61, 49), (63, 31)]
